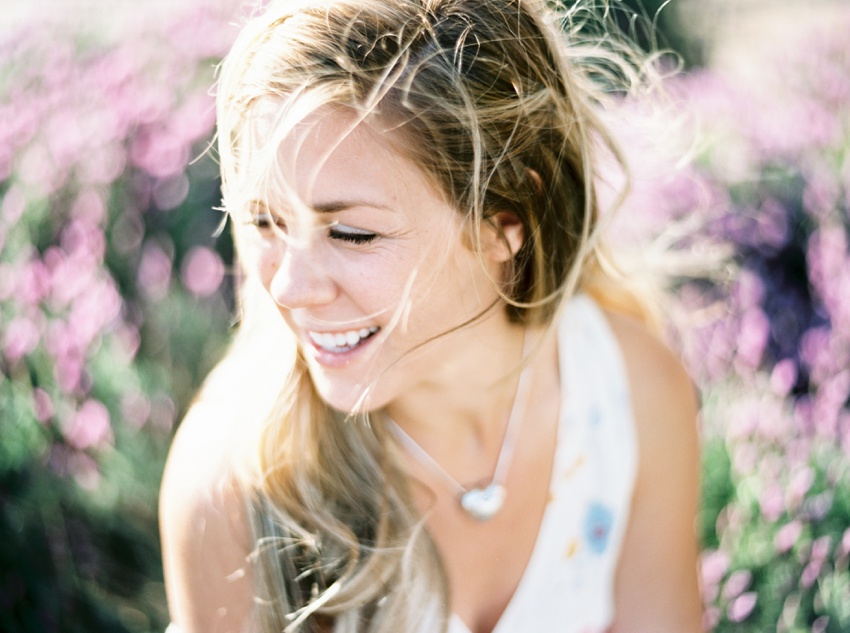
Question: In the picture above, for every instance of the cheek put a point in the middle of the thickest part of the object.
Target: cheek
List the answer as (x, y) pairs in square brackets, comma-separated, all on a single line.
[(264, 260)]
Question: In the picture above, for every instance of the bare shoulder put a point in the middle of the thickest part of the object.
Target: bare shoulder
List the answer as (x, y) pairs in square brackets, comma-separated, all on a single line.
[(204, 529), (663, 395), (656, 587)]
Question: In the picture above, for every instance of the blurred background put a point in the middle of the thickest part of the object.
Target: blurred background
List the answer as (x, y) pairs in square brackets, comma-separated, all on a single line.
[(116, 296)]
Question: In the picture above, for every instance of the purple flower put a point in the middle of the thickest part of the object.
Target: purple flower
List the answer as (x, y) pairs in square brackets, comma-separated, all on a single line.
[(155, 270), (202, 271), (742, 606), (737, 582), (168, 193), (787, 536), (42, 405), (713, 566), (783, 377), (89, 427), (21, 337), (772, 502), (135, 408)]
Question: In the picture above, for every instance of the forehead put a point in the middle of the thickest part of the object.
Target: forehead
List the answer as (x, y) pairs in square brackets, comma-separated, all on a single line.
[(327, 156)]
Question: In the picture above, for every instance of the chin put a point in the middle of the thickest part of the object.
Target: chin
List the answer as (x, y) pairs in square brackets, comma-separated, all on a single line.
[(346, 397)]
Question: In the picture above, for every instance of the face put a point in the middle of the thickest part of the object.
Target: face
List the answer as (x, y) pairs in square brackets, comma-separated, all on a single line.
[(368, 264)]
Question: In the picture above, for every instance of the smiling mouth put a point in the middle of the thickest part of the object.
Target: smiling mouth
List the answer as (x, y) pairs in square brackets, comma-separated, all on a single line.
[(340, 342)]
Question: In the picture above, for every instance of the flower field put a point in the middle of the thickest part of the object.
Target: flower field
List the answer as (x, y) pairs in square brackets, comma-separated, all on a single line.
[(115, 300)]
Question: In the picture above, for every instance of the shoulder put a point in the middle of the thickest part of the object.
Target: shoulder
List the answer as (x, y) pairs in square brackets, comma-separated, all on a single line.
[(664, 398), (657, 576), (204, 528)]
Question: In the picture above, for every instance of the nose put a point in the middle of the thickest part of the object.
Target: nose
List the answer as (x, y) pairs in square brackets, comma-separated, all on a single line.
[(301, 279)]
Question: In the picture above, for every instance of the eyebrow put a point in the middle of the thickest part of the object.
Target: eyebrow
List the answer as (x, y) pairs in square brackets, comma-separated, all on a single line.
[(335, 206), (332, 206)]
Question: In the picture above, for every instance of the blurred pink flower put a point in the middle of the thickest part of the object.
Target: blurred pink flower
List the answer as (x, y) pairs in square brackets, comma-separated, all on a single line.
[(135, 408), (775, 420), (36, 168), (801, 482), (810, 573), (89, 427), (83, 239), (154, 270), (128, 339), (68, 354), (14, 204), (821, 547), (127, 232), (748, 292), (753, 337), (783, 376), (713, 566), (845, 543), (84, 470), (745, 458), (744, 417), (21, 337), (772, 502), (94, 311), (42, 405), (8, 280), (202, 271), (101, 164), (159, 153), (89, 207), (820, 624), (169, 193), (195, 118), (816, 353), (710, 618), (821, 193), (163, 412), (787, 536), (33, 283), (737, 582), (742, 606)]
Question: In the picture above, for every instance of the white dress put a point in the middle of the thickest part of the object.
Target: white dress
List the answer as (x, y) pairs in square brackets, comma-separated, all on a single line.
[(568, 584)]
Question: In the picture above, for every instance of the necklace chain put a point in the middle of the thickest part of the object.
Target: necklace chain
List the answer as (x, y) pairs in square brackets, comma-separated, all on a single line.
[(481, 503)]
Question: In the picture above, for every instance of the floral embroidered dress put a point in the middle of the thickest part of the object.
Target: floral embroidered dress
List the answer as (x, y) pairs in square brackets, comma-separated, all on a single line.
[(568, 585)]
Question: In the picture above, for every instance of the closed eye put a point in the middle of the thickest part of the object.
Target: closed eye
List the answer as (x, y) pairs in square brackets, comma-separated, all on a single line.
[(265, 221), (351, 234)]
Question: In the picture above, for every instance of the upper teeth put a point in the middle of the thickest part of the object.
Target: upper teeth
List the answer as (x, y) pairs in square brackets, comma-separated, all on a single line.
[(336, 340)]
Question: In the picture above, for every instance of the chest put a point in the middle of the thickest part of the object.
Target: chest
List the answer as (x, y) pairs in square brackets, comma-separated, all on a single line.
[(484, 561)]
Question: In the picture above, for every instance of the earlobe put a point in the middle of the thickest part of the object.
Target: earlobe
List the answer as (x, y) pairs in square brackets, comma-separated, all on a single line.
[(509, 238)]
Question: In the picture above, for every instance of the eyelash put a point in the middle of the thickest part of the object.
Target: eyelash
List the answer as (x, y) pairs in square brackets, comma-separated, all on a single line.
[(263, 222), (354, 236)]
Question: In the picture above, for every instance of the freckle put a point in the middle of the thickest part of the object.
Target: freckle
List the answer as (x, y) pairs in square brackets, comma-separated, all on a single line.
[(572, 548), (549, 498)]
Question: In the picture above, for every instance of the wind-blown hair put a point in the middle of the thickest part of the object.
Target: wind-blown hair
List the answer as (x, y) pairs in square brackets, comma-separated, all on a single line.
[(498, 102)]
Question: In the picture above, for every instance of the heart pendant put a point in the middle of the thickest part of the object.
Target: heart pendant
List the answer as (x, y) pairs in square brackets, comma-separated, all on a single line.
[(482, 504)]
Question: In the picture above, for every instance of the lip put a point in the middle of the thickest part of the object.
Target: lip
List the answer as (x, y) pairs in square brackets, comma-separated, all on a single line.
[(337, 359)]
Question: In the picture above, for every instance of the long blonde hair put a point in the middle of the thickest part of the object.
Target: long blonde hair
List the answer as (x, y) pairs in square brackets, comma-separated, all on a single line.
[(498, 104)]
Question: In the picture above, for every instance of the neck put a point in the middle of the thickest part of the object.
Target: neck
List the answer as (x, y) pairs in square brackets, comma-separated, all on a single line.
[(473, 391)]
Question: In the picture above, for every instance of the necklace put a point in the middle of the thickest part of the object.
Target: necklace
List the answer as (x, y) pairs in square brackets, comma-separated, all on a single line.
[(484, 502)]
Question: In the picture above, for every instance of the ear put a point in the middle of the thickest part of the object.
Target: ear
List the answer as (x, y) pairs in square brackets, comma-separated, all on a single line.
[(508, 236)]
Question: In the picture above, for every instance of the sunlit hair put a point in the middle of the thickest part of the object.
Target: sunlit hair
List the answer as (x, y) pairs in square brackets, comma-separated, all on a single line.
[(498, 103)]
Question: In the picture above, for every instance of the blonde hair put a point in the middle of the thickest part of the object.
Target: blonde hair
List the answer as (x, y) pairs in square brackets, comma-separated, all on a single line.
[(500, 109)]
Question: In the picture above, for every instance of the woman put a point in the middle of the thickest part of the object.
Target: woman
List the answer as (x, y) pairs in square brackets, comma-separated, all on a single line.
[(426, 423)]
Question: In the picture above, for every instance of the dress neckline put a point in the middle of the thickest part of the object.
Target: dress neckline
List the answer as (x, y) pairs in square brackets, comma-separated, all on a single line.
[(456, 623)]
